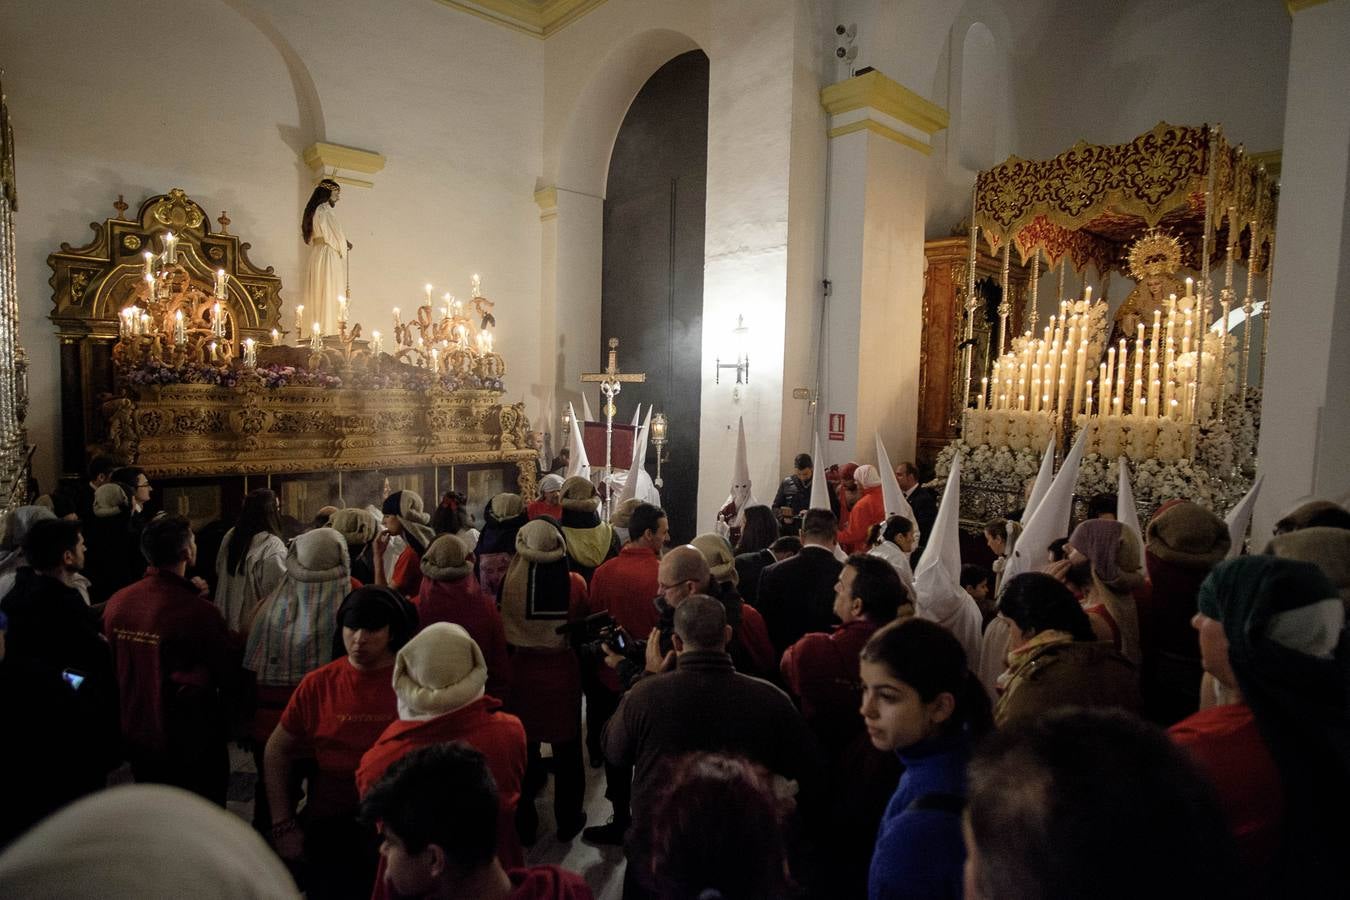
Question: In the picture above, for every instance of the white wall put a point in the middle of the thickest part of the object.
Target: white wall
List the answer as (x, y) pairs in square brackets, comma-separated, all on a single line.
[(220, 98)]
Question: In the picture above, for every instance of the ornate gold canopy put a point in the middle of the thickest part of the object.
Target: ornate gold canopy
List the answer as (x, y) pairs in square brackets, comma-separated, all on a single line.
[(1089, 202)]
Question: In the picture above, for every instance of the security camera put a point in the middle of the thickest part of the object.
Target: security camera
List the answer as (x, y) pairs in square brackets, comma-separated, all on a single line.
[(849, 31), (848, 53)]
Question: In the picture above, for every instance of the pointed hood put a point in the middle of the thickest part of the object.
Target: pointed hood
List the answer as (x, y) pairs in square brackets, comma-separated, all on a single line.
[(1050, 520), (630, 484), (939, 596), (742, 493), (1127, 513), (1239, 518), (578, 464), (820, 490), (1044, 476), (892, 496), (637, 415), (586, 409)]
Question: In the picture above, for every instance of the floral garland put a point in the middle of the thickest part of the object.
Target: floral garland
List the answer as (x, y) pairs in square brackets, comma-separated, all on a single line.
[(409, 378)]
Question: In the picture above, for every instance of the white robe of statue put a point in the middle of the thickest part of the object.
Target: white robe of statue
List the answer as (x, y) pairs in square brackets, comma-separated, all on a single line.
[(327, 272)]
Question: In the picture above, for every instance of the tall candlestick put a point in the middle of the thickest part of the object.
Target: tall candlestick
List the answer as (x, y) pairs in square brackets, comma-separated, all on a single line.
[(1122, 361), (1108, 381), (149, 266), (220, 283), (1169, 376), (315, 338), (217, 325), (1080, 371), (1190, 286), (250, 354), (1087, 404), (984, 386), (170, 249), (397, 320), (1035, 386), (275, 337), (1221, 364), (300, 322), (1139, 367), (179, 328), (427, 288), (376, 343), (1103, 389), (342, 310)]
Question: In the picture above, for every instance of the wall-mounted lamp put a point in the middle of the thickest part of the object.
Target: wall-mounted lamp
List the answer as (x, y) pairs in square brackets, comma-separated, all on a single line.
[(742, 363), (659, 425)]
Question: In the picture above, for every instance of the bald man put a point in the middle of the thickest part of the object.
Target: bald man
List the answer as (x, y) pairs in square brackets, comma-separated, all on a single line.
[(682, 573)]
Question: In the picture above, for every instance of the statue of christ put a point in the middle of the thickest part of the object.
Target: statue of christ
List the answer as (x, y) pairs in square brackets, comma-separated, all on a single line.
[(328, 247)]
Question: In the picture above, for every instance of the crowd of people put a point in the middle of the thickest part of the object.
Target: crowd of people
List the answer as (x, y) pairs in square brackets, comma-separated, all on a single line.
[(782, 716)]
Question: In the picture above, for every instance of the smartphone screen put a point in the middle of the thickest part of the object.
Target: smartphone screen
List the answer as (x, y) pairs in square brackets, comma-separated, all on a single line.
[(73, 678)]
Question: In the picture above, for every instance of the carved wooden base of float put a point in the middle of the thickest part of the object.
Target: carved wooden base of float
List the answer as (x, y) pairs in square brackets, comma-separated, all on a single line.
[(192, 430)]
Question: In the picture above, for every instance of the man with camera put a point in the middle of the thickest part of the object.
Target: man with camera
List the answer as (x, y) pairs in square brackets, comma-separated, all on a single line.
[(703, 704), (623, 587)]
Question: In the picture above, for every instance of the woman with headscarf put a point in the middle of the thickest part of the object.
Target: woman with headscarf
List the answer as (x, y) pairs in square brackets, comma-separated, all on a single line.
[(440, 679), (251, 561), (358, 528), (336, 714), (1182, 543), (13, 532), (1272, 633), (750, 648), (1054, 658), (867, 510), (504, 516), (144, 840), (539, 594), (1111, 553), (403, 517), (894, 539), (450, 593), (291, 634), (550, 492), (590, 541)]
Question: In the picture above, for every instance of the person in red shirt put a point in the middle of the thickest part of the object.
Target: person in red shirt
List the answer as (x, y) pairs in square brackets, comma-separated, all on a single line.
[(436, 810), (625, 587), (449, 593), (335, 715), (549, 502), (867, 510), (439, 678), (176, 665), (404, 516)]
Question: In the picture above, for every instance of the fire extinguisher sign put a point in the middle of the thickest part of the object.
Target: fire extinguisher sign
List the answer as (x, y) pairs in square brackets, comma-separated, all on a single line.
[(836, 426)]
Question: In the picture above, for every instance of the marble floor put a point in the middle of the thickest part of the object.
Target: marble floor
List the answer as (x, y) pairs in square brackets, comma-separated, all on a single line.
[(602, 867)]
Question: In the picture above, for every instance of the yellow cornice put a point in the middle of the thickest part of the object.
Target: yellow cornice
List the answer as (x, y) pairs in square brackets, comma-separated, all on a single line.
[(1271, 159), (879, 129), (1294, 6), (878, 92), (336, 156), (537, 18), (546, 198)]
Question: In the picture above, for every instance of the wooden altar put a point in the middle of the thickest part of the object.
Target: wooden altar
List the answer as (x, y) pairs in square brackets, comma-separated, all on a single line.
[(941, 380), (196, 421)]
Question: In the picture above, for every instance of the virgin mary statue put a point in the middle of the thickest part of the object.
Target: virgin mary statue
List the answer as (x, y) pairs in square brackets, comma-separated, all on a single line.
[(328, 248)]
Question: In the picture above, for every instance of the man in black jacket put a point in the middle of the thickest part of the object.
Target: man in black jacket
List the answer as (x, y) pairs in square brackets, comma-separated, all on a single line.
[(704, 705), (922, 500), (796, 595)]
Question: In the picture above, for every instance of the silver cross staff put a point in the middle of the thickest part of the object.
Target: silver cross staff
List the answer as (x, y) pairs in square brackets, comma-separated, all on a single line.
[(611, 382)]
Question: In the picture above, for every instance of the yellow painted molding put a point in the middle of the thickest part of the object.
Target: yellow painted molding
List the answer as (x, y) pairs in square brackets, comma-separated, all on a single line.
[(336, 156), (537, 18), (352, 182), (879, 129), (884, 95), (1271, 159), (1294, 6), (546, 198)]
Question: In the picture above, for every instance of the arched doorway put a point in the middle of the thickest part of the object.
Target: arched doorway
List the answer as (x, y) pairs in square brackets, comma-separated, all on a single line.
[(652, 278)]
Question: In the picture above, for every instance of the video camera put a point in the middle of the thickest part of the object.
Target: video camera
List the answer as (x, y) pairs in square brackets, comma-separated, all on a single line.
[(594, 634)]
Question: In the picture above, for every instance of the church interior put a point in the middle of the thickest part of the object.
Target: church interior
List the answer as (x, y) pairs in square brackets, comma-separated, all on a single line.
[(352, 249)]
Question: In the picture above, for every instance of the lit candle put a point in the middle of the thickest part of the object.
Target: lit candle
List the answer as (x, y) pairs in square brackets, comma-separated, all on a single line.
[(447, 298), (220, 283), (342, 309), (170, 249), (315, 337), (1087, 405), (1103, 388), (1190, 287), (1139, 365), (427, 288), (149, 266), (477, 284), (217, 325), (1169, 374), (179, 328), (299, 321), (489, 342), (984, 386), (435, 360), (250, 354), (275, 337), (212, 347), (1080, 372), (1122, 361), (376, 343), (1221, 364), (397, 320), (1087, 295)]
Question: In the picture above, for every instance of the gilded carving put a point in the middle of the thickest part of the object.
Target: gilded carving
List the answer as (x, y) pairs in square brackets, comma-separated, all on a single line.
[(132, 242)]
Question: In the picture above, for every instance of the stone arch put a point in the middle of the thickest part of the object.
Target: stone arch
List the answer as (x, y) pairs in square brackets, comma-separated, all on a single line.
[(580, 161), (307, 101)]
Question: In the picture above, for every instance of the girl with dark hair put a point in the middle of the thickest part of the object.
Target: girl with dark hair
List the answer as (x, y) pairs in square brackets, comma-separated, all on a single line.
[(921, 701), (452, 517), (894, 539), (1054, 658), (335, 715), (752, 551), (403, 516), (717, 829), (251, 561)]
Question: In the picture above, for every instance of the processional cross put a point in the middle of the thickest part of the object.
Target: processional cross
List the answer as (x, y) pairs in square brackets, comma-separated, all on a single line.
[(611, 382)]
